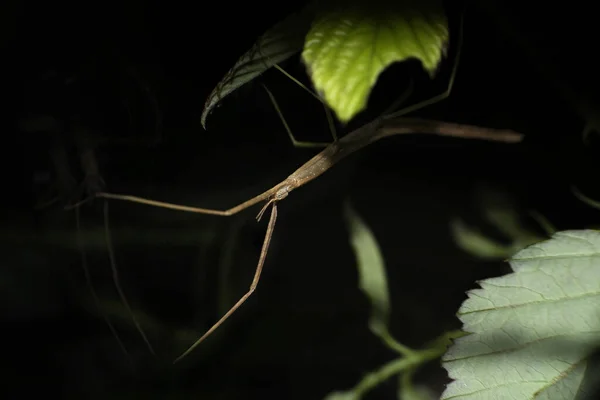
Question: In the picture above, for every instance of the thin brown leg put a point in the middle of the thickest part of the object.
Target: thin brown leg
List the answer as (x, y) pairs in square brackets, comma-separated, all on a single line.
[(161, 204), (255, 280), (117, 280), (88, 279)]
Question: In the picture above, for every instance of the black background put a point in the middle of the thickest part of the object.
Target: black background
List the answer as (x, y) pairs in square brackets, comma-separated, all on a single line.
[(304, 333)]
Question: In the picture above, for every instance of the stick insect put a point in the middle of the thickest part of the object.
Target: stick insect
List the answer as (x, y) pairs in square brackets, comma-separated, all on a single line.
[(389, 124), (378, 129)]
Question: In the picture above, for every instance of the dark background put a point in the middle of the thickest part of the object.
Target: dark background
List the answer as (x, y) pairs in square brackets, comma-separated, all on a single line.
[(304, 333)]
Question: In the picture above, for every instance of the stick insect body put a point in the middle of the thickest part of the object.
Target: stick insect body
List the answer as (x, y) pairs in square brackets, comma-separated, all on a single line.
[(381, 127), (378, 129)]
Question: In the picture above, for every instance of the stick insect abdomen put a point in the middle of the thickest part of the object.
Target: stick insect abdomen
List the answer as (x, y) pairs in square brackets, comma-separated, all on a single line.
[(313, 167), (333, 153)]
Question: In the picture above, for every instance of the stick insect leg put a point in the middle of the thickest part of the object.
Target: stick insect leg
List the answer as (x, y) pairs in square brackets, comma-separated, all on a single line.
[(397, 103), (117, 280), (295, 142), (330, 122), (253, 285), (441, 96), (401, 99), (93, 183), (88, 280), (234, 210)]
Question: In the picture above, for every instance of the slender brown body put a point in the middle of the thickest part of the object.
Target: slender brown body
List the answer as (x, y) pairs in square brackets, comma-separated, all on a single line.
[(315, 167), (382, 128)]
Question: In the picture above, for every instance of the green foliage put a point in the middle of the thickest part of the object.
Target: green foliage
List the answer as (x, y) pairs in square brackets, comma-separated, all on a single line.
[(501, 211), (585, 199), (373, 283), (372, 277), (474, 242), (352, 42), (276, 45), (531, 331), (346, 46)]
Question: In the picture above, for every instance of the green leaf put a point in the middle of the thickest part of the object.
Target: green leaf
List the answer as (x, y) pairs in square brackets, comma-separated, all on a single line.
[(373, 282), (276, 45), (351, 42), (372, 279), (408, 391), (585, 199), (472, 241), (477, 244), (371, 270), (342, 396), (500, 209), (531, 331)]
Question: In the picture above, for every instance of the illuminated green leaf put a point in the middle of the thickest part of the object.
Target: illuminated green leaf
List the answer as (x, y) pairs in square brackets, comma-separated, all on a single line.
[(531, 331), (352, 42), (276, 45)]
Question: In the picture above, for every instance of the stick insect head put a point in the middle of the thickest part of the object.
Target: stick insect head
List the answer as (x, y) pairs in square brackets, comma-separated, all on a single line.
[(280, 194)]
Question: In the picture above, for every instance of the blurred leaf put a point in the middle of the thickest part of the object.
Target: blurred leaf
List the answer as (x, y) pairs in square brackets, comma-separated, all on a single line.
[(477, 244), (585, 199), (531, 331), (500, 209), (415, 393), (372, 278), (342, 396), (543, 222), (371, 270), (276, 45), (351, 42), (405, 365), (506, 220), (373, 283), (408, 391)]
